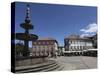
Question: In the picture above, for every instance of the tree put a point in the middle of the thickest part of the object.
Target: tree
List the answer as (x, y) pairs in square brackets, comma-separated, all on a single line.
[(19, 49)]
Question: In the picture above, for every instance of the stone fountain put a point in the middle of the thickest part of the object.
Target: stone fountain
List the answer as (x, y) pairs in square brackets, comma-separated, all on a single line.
[(26, 36)]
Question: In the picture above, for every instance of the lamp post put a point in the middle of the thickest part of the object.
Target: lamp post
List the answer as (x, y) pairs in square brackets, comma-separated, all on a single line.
[(31, 57)]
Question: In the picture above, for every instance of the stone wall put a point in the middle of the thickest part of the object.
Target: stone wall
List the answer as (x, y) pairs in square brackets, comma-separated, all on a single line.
[(29, 61)]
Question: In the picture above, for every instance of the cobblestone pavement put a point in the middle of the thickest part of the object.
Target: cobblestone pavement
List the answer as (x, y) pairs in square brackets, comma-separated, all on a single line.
[(77, 62)]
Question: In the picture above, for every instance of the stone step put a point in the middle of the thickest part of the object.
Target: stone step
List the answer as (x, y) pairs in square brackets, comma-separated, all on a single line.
[(39, 69), (44, 67), (51, 68), (34, 66), (59, 68)]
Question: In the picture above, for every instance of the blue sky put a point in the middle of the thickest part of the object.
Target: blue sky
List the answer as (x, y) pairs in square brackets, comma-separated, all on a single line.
[(57, 21)]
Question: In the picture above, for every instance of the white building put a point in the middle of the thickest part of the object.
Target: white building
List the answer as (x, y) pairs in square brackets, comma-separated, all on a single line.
[(74, 43), (44, 47)]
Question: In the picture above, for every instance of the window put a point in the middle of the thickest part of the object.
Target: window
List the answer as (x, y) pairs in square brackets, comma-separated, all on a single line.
[(39, 43), (47, 42), (51, 42), (70, 47), (70, 42), (73, 42), (43, 42)]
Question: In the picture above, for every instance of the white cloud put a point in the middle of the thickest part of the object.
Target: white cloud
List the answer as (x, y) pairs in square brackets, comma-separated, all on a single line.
[(90, 30)]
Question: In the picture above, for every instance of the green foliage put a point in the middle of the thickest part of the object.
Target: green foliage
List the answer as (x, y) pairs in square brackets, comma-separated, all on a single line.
[(19, 48)]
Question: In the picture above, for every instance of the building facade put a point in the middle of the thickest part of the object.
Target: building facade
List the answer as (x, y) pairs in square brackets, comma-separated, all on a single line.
[(76, 44), (44, 47), (94, 40), (61, 50)]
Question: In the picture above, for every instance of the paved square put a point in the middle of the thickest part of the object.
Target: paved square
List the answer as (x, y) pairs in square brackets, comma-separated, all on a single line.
[(77, 62)]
